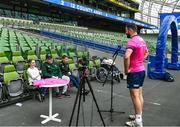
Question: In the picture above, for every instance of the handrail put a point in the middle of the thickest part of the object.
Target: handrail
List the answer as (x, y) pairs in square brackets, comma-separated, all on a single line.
[(123, 5), (87, 43)]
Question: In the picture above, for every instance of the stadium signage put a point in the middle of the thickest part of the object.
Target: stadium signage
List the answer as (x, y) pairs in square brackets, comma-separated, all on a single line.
[(100, 13)]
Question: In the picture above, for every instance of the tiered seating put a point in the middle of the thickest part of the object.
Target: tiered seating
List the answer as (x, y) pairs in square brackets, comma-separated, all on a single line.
[(108, 38), (97, 36), (103, 37), (17, 47), (15, 18)]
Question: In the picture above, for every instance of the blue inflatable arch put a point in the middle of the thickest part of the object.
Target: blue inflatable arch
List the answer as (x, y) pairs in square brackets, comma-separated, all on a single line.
[(169, 23)]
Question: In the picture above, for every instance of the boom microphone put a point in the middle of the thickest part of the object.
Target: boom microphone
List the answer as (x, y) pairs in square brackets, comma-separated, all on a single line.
[(117, 50)]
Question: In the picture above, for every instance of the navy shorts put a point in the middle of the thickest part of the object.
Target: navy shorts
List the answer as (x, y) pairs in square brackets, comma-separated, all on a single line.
[(135, 79)]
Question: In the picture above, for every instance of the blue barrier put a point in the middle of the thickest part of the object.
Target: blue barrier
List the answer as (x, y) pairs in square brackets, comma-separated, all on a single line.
[(151, 64), (87, 43), (159, 71)]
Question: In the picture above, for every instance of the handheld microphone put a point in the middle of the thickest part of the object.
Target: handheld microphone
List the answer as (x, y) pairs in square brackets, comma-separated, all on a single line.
[(117, 50)]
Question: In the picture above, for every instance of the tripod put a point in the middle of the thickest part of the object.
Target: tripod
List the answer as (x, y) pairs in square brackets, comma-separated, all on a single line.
[(112, 83), (79, 94)]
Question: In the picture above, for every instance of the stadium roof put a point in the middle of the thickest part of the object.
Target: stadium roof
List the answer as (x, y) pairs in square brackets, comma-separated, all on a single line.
[(151, 9), (89, 10)]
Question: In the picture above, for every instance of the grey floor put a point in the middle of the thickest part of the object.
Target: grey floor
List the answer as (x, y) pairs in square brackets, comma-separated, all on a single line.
[(161, 108)]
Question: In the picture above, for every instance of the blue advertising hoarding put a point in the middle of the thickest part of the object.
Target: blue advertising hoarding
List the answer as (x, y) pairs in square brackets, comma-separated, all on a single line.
[(100, 13), (177, 15)]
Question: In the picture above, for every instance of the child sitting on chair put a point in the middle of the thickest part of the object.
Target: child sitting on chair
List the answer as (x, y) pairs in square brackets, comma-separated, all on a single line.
[(34, 74)]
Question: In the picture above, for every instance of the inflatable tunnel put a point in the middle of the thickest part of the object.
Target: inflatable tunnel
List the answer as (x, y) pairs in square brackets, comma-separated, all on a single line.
[(159, 63)]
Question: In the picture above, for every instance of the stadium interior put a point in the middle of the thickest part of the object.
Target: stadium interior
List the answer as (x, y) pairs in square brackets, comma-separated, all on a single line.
[(30, 29)]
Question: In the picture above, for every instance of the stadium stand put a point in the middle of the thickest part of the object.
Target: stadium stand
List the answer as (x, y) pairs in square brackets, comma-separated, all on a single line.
[(18, 46), (31, 29)]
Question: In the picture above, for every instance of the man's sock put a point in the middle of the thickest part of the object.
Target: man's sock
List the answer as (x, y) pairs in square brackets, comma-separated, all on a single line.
[(138, 118)]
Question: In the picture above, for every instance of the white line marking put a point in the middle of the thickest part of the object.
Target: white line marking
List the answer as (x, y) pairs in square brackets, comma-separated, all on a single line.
[(115, 94)]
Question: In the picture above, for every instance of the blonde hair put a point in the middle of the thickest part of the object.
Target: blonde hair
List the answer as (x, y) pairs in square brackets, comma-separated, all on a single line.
[(29, 62)]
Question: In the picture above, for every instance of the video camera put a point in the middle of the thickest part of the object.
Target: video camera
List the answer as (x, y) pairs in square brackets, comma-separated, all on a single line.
[(83, 66), (83, 61)]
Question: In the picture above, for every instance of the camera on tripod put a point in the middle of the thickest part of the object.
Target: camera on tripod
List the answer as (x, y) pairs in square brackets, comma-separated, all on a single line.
[(84, 61), (83, 72), (83, 66)]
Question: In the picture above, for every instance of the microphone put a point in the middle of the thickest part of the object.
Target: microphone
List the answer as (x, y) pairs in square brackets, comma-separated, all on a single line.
[(117, 50)]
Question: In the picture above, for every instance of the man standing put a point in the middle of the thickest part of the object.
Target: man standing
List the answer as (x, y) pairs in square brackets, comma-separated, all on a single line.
[(136, 52)]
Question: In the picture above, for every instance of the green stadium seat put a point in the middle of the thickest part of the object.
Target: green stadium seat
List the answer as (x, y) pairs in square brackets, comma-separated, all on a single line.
[(4, 43), (71, 54), (33, 47), (71, 48), (31, 55), (80, 54), (25, 49), (13, 81), (63, 48), (43, 55), (97, 62), (91, 64), (3, 62), (86, 54), (18, 61), (13, 48), (92, 69), (72, 67), (70, 61), (44, 48), (16, 56), (13, 43), (4, 49), (59, 49), (54, 54)]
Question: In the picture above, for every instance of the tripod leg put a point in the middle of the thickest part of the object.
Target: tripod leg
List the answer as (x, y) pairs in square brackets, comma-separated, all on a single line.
[(95, 101), (82, 107), (111, 110), (74, 107), (81, 87)]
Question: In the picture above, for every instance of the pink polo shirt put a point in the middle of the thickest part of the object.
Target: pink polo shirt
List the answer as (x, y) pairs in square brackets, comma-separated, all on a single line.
[(138, 45)]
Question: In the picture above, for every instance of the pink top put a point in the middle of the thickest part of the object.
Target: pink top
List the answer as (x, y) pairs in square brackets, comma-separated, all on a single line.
[(138, 45), (50, 82)]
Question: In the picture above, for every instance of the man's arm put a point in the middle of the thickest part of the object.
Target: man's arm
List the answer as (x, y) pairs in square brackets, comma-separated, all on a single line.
[(146, 53), (44, 72), (127, 59), (59, 72)]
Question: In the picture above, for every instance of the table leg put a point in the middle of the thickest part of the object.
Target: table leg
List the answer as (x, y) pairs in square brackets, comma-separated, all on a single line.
[(50, 102), (50, 117)]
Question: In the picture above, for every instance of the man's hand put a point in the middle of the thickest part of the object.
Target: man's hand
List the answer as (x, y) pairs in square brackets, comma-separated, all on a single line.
[(69, 73), (55, 77), (125, 72)]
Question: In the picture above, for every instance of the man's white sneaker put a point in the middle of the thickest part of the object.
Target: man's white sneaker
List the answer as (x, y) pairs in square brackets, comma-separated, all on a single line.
[(132, 117), (134, 124)]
